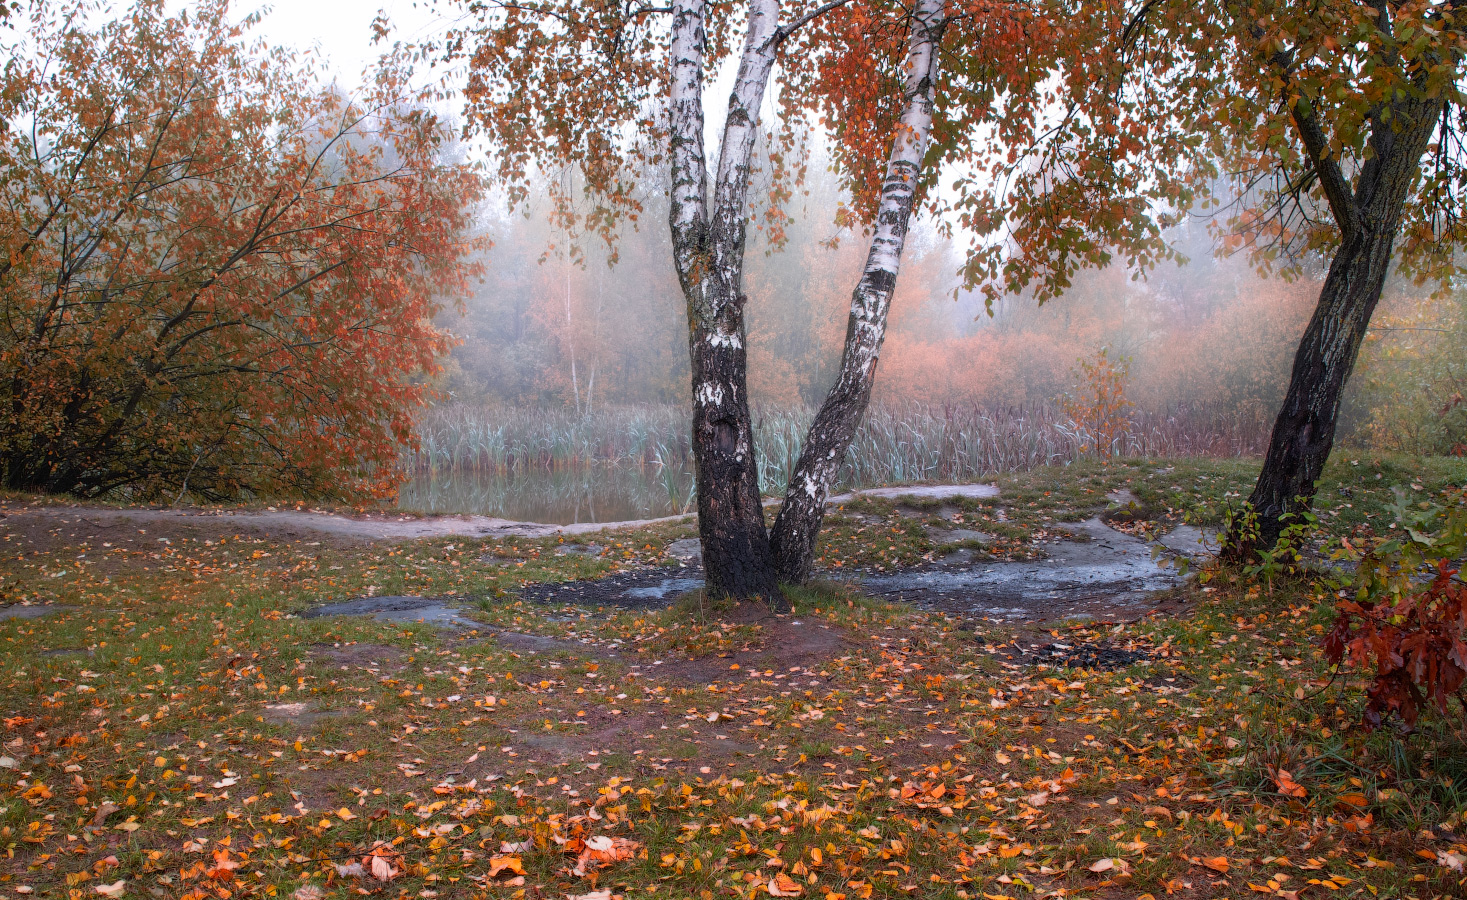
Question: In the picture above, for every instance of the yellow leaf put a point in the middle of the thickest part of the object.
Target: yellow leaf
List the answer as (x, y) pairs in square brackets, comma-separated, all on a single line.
[(506, 863)]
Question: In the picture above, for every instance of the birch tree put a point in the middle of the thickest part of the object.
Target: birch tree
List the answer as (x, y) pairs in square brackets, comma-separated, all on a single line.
[(616, 87)]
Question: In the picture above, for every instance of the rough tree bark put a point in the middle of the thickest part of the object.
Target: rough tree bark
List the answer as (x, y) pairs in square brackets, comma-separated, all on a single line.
[(708, 250), (1368, 218), (830, 435)]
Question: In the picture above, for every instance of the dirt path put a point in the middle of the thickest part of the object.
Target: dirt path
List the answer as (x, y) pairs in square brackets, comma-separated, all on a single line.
[(49, 524), (46, 526)]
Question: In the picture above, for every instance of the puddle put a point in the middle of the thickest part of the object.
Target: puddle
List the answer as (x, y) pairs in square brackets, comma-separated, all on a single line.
[(1111, 574), (1105, 574), (579, 550), (646, 589), (1191, 541), (1102, 657), (1123, 497), (665, 587), (436, 611), (957, 536)]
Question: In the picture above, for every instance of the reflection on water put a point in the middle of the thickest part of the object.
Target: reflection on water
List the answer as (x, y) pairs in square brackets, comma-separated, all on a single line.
[(562, 497)]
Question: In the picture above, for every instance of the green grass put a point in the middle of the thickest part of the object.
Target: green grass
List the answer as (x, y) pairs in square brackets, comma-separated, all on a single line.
[(175, 654)]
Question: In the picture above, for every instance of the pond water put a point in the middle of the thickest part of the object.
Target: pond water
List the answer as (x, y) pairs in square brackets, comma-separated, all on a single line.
[(559, 497)]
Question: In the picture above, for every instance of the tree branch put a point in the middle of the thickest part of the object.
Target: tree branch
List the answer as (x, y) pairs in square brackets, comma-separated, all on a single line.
[(784, 32), (1316, 143)]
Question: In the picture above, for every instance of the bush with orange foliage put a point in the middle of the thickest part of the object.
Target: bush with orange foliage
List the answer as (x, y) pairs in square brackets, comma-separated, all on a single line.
[(219, 274)]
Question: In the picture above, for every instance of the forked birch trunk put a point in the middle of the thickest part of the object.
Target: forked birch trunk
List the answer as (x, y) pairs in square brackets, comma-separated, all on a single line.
[(708, 249), (830, 436)]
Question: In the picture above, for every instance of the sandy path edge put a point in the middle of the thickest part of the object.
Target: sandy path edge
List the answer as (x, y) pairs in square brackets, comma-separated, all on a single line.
[(404, 528)]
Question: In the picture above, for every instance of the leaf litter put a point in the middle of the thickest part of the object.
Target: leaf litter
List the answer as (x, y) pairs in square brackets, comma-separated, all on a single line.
[(693, 752)]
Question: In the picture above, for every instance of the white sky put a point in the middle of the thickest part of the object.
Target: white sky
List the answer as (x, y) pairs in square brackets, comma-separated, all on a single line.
[(340, 31)]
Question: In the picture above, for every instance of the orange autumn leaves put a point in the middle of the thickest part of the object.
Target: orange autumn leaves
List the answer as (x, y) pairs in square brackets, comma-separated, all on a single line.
[(586, 853), (247, 306)]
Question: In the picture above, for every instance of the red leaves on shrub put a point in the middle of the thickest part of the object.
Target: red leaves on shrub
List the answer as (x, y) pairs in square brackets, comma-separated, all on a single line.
[(1410, 631), (1415, 646)]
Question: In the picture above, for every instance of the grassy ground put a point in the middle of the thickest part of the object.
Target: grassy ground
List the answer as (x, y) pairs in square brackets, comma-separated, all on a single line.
[(176, 730)]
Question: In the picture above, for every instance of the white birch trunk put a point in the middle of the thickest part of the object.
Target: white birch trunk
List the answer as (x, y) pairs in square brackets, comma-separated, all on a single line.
[(835, 424), (708, 249)]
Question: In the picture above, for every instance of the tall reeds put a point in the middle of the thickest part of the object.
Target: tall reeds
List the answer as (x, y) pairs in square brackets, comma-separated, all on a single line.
[(896, 444)]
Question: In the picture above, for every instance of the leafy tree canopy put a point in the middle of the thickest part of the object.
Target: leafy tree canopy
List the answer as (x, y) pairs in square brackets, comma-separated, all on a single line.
[(216, 273)]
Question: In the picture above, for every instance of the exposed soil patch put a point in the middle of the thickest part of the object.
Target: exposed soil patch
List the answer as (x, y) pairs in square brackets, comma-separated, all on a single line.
[(1102, 657), (789, 648), (37, 611), (302, 715), (372, 657), (437, 611), (534, 643)]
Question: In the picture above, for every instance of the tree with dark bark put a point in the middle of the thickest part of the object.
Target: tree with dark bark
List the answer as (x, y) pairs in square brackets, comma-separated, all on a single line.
[(1324, 131), (613, 88)]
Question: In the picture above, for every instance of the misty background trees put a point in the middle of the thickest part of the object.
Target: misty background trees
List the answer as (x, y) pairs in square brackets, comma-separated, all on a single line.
[(1210, 332), (226, 285)]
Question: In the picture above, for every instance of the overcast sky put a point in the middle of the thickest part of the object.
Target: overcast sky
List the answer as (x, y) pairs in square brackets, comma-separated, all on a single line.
[(341, 30)]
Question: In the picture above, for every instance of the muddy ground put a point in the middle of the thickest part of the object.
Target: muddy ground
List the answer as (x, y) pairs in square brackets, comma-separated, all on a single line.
[(1089, 571)]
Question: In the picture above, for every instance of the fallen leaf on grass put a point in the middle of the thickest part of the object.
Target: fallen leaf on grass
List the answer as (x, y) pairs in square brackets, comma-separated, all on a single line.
[(383, 862), (1102, 865), (781, 885), (505, 864), (308, 892), (594, 895), (106, 809), (223, 868), (112, 890), (1287, 785), (1216, 864), (599, 851)]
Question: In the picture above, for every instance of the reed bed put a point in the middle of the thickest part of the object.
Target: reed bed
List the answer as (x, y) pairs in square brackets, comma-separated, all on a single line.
[(895, 444)]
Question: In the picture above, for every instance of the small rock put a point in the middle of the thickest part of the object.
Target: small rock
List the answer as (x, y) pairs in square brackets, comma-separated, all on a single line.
[(963, 557), (578, 550), (687, 549), (958, 536)]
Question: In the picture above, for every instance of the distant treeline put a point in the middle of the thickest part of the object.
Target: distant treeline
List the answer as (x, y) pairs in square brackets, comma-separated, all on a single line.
[(551, 329)]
